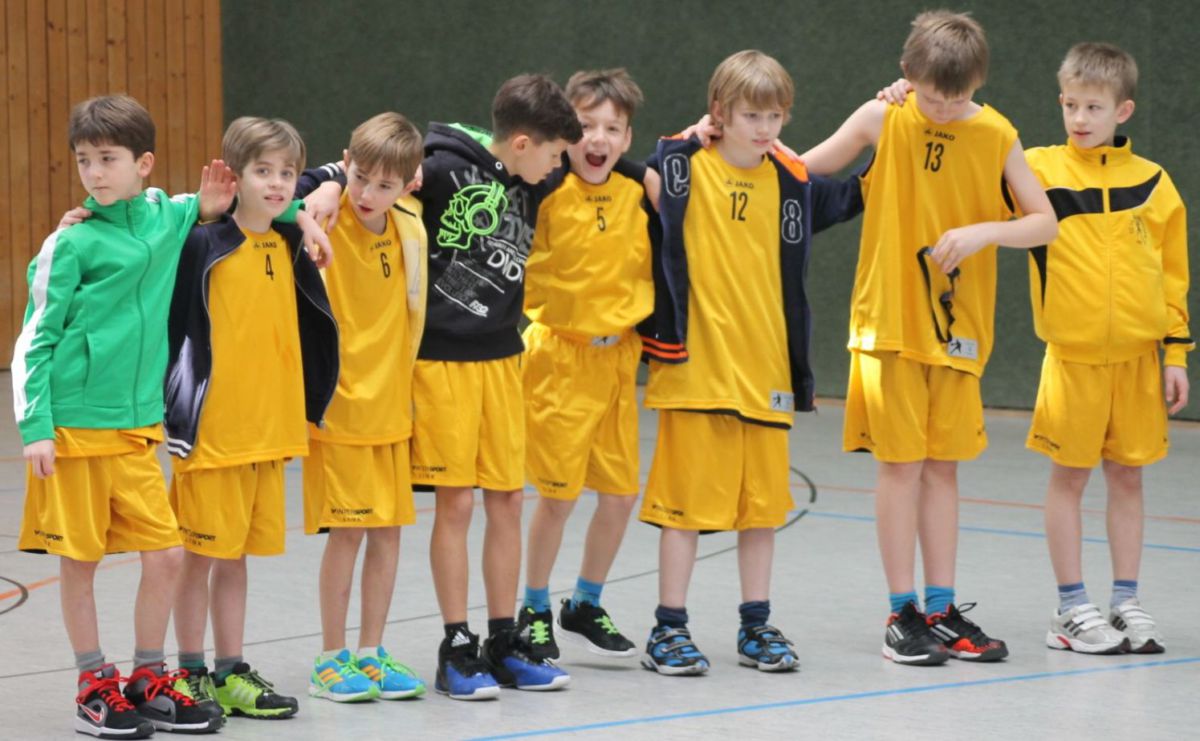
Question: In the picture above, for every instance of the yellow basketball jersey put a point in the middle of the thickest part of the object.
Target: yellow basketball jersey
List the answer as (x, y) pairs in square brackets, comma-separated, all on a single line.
[(254, 410), (366, 286), (926, 179), (737, 337), (589, 267)]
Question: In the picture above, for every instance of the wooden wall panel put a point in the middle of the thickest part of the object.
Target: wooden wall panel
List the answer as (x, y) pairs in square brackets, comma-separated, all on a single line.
[(56, 53)]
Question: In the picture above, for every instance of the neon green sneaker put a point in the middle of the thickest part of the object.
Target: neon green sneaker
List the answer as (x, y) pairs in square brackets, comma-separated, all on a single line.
[(244, 692), (198, 685)]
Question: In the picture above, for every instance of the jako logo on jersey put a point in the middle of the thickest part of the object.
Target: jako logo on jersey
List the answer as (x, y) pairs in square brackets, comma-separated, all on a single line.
[(677, 175), (473, 211), (791, 221)]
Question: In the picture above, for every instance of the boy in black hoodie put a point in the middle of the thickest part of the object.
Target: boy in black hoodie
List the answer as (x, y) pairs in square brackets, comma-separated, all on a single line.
[(481, 194)]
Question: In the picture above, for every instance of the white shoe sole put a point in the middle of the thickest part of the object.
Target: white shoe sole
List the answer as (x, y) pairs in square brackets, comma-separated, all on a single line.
[(919, 660), (325, 694), (483, 693), (1067, 643), (780, 666), (580, 641), (673, 671), (82, 726), (557, 683)]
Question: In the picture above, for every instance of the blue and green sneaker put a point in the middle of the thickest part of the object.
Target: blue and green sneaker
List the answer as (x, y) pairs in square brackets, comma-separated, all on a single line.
[(394, 680)]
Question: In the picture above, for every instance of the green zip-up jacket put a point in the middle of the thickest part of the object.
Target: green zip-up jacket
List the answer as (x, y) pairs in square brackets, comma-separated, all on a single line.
[(93, 348)]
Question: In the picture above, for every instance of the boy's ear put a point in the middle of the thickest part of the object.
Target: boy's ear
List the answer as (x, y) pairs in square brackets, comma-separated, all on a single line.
[(346, 160), (520, 142), (1124, 111), (714, 111), (628, 138), (145, 164)]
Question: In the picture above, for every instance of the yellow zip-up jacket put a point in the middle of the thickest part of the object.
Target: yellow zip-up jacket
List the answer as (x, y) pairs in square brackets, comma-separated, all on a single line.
[(1114, 284)]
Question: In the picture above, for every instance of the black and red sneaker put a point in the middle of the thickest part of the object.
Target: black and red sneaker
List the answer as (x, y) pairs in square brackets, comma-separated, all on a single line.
[(964, 639), (908, 639), (102, 711), (157, 699)]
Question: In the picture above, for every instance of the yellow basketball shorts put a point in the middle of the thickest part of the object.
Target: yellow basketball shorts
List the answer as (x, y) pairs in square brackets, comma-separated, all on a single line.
[(1088, 412), (232, 511), (357, 486), (904, 411), (469, 424), (96, 505), (581, 415), (716, 472)]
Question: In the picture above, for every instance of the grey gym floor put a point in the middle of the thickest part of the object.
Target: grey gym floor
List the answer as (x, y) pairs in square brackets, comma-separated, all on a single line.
[(828, 596)]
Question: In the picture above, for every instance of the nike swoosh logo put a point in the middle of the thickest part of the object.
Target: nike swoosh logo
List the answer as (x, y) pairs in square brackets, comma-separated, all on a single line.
[(95, 715)]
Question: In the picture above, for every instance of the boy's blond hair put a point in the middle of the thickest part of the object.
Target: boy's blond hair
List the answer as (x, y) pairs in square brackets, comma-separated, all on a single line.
[(1097, 64), (118, 120), (249, 136), (590, 88), (947, 50), (387, 143), (750, 77)]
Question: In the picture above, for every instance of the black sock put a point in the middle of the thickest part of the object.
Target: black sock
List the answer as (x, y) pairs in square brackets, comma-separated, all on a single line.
[(498, 625), (453, 629), (671, 617), (755, 613)]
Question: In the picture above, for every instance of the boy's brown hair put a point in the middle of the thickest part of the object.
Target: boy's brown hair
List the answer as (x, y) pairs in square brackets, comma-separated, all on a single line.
[(947, 50), (249, 136), (1101, 65), (118, 120), (534, 105), (386, 143), (752, 77), (590, 88)]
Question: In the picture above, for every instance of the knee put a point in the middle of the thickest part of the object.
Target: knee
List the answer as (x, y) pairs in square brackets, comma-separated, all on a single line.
[(505, 505), (169, 560), (557, 510), (620, 506), (384, 537), (454, 508), (346, 537), (1123, 481)]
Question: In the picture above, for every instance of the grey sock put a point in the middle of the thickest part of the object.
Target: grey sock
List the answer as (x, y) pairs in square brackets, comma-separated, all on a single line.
[(89, 661), (1071, 595), (223, 665), (151, 657)]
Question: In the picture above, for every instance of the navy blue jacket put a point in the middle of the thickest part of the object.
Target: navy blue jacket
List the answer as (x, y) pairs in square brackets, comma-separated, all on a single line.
[(807, 205), (189, 329)]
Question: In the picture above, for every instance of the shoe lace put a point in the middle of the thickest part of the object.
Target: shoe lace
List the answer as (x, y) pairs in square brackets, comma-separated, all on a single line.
[(606, 623), (257, 682), (539, 632), (964, 626), (165, 684), (109, 691), (390, 664)]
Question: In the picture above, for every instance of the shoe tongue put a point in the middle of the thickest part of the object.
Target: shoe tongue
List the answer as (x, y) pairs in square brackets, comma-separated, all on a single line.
[(108, 671), (240, 668), (344, 656)]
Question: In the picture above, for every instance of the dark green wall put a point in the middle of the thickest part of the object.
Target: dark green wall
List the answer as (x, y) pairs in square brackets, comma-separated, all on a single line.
[(327, 66)]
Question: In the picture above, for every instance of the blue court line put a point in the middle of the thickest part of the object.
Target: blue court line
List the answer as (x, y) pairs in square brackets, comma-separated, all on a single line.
[(1013, 533), (842, 698)]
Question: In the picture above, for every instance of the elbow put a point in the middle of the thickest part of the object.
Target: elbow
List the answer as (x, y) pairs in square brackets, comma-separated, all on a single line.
[(1050, 228)]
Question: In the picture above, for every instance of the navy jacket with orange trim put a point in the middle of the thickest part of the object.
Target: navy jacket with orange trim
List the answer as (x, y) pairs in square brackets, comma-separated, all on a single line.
[(807, 205)]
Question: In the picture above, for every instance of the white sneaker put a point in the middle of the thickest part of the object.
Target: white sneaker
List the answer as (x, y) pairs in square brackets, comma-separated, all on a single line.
[(1084, 629), (1129, 618)]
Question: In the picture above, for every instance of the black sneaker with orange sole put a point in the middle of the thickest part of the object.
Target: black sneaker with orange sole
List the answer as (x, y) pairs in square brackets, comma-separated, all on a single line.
[(964, 639)]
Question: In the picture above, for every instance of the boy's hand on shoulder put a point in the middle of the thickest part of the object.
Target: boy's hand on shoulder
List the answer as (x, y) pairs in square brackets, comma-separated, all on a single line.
[(414, 185), (323, 204), (40, 455), (706, 130), (316, 241), (77, 215), (218, 186), (957, 245), (652, 184), (896, 93), (786, 151), (1175, 388)]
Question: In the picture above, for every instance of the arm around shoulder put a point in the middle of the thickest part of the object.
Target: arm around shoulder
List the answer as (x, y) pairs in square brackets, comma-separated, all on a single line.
[(859, 131)]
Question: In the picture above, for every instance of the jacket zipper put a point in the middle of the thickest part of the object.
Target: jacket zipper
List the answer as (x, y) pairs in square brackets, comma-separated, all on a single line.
[(137, 373), (337, 339)]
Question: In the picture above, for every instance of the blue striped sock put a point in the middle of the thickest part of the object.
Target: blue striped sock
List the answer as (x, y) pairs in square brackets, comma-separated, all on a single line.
[(538, 599), (1123, 591), (587, 591), (938, 599), (900, 599), (1071, 595)]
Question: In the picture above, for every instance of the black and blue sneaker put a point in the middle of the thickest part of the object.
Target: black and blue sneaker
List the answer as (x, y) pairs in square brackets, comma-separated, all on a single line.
[(511, 660), (461, 674), (671, 651), (765, 648)]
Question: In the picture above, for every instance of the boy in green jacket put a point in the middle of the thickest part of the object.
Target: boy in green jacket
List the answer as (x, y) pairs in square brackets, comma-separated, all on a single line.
[(88, 372)]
